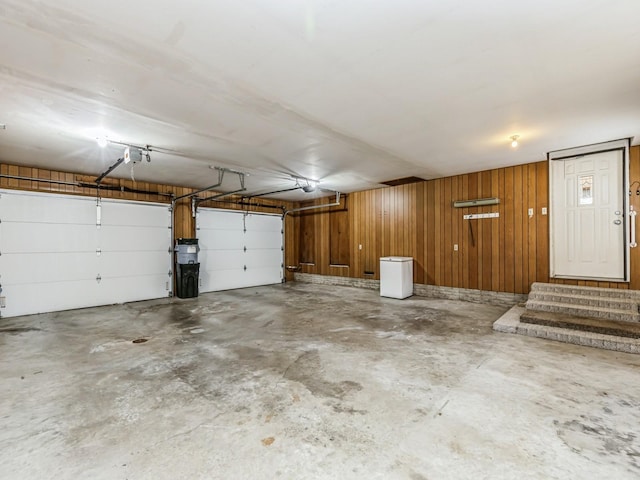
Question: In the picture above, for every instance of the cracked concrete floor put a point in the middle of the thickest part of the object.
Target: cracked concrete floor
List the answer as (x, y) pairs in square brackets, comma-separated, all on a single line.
[(304, 381)]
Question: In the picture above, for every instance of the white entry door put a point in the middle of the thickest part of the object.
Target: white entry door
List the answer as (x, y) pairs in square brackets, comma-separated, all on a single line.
[(238, 249), (588, 228)]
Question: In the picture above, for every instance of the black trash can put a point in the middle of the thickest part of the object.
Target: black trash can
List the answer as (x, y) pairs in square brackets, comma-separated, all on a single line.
[(187, 275), (187, 267)]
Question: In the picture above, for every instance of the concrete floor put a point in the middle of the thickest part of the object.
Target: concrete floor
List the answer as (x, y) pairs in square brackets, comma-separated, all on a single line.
[(307, 381)]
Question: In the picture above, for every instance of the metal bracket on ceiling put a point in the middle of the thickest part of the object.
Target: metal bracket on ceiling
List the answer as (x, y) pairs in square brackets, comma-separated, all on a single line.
[(241, 178)]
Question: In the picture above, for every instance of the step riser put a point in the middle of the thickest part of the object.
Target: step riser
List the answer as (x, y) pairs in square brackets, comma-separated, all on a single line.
[(601, 302), (576, 339), (584, 312), (588, 291), (602, 329)]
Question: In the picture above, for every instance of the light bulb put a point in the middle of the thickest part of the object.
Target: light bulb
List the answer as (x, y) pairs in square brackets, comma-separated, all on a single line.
[(102, 141), (514, 140)]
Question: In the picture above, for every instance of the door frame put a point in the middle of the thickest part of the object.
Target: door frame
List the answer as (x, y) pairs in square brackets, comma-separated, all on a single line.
[(558, 155)]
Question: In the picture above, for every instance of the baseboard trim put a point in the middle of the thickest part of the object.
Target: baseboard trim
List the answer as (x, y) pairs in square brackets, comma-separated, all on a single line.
[(504, 299)]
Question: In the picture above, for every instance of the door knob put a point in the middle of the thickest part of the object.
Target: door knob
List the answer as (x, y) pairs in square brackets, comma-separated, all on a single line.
[(617, 222)]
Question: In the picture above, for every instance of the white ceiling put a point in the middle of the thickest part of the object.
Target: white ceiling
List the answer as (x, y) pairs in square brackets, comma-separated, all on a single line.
[(351, 92)]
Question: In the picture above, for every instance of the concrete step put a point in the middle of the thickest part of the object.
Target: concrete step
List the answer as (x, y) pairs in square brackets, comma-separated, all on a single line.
[(591, 291), (510, 323), (571, 322), (584, 311), (616, 303)]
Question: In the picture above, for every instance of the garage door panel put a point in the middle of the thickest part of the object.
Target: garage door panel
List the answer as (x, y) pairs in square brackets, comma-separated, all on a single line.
[(20, 237), (31, 298), (223, 280), (264, 258), (132, 289), (263, 276), (129, 214), (219, 239), (221, 260), (18, 206), (122, 238), (264, 223), (48, 267), (265, 239), (137, 263), (221, 219)]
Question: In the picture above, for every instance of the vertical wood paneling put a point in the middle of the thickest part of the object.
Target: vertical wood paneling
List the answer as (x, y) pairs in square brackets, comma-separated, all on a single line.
[(532, 185), (473, 228), (487, 236), (495, 236), (418, 220), (465, 237), (437, 232), (455, 233), (509, 234), (446, 231)]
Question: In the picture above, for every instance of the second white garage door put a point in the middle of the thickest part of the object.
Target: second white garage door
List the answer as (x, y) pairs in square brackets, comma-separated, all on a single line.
[(238, 249)]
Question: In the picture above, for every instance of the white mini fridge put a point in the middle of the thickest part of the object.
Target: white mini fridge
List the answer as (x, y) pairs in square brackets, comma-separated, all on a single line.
[(396, 277)]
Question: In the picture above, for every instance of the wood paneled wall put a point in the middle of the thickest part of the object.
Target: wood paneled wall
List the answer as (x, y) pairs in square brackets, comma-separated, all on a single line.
[(184, 226), (505, 254)]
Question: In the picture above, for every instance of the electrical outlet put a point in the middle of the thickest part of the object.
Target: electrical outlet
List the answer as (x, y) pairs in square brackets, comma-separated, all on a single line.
[(360, 247), (455, 247), (530, 212), (544, 210)]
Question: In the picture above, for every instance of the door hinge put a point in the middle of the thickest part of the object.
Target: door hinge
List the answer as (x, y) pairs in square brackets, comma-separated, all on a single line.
[(98, 278), (98, 251)]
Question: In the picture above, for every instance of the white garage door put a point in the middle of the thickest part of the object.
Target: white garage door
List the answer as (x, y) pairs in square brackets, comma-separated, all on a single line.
[(238, 249), (54, 256)]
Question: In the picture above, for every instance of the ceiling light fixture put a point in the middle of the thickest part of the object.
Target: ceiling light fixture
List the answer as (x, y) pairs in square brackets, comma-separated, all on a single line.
[(309, 187), (514, 140), (102, 141)]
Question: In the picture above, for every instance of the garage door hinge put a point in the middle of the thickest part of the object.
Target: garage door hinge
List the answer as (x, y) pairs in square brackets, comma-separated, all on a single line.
[(170, 209), (245, 268), (170, 273), (245, 248), (98, 251), (98, 278)]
